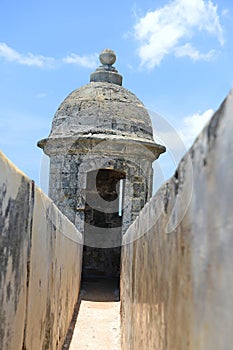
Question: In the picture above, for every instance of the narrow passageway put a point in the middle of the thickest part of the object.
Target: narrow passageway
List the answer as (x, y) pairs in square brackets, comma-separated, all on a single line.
[(97, 323)]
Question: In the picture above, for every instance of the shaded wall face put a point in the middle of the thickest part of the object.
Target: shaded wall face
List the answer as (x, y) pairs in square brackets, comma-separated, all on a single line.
[(177, 276), (16, 212), (40, 265)]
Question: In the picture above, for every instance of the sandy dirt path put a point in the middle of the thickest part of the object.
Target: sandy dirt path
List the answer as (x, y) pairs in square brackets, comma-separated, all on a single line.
[(98, 321)]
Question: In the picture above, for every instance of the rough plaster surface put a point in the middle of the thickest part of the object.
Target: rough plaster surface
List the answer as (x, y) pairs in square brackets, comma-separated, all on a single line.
[(40, 265), (56, 264), (177, 273), (15, 230)]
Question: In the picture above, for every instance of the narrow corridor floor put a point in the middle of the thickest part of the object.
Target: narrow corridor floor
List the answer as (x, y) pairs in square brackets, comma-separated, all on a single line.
[(98, 321)]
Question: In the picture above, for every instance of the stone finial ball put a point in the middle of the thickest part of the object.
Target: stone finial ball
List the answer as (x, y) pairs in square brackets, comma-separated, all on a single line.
[(107, 57)]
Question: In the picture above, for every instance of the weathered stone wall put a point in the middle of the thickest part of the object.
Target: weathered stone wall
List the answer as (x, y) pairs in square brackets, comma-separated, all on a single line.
[(73, 188), (68, 177), (40, 265), (177, 258)]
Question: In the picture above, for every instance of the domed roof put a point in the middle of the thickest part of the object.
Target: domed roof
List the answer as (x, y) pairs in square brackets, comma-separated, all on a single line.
[(102, 109)]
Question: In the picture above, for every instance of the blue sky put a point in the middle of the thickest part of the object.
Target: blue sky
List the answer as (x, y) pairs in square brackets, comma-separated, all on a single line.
[(176, 56)]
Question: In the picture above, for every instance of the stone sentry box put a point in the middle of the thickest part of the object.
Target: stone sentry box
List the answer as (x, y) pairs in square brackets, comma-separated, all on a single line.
[(101, 150)]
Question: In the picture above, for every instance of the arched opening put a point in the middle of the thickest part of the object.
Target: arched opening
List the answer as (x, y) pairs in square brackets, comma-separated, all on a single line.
[(103, 223)]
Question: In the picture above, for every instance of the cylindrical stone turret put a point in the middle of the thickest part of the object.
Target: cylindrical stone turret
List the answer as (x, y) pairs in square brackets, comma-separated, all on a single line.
[(101, 150)]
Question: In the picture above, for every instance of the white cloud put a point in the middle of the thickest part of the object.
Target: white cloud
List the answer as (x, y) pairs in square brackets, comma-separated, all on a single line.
[(193, 125), (178, 139), (87, 61), (41, 94), (190, 51), (29, 59), (225, 12), (161, 32)]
